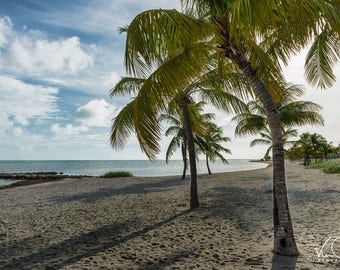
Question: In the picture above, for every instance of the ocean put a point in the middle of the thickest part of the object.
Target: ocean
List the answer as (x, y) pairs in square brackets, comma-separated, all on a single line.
[(136, 167)]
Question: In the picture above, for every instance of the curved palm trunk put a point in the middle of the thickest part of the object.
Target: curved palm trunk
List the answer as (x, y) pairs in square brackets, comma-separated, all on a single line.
[(191, 149), (284, 242), (185, 163), (207, 162)]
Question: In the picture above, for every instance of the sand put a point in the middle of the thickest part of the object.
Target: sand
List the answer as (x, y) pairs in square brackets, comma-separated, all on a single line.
[(144, 223)]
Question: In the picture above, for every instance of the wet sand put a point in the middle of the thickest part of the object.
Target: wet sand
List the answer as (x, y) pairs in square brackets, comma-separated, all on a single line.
[(144, 223)]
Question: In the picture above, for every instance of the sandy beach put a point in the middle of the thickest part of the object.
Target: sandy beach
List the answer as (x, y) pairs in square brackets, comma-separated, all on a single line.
[(144, 223)]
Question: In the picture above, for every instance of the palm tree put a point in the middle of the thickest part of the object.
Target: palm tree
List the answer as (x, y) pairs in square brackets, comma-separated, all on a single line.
[(141, 114), (178, 141), (211, 145), (327, 148), (309, 145), (177, 128), (266, 139), (316, 141), (232, 33), (291, 112)]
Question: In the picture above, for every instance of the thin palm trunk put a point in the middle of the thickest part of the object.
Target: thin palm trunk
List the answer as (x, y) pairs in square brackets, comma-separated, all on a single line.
[(192, 155), (284, 241), (184, 156), (207, 162)]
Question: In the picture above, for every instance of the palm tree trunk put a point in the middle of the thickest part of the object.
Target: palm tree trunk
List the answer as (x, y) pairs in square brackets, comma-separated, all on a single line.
[(284, 241), (191, 149), (184, 156), (207, 162)]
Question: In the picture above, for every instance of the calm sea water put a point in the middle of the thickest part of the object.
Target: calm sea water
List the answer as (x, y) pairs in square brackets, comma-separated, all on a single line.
[(136, 167)]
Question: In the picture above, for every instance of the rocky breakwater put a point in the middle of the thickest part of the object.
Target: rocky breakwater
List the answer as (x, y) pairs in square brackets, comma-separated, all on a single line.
[(38, 175), (32, 175)]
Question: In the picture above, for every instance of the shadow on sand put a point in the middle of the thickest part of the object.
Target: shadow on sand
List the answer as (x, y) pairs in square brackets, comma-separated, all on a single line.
[(70, 251), (283, 262)]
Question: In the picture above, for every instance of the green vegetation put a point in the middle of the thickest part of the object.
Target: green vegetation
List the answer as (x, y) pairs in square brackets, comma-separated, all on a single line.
[(312, 146), (330, 166), (116, 174)]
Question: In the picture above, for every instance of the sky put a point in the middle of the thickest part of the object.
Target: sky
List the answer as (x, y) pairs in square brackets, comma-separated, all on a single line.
[(58, 61)]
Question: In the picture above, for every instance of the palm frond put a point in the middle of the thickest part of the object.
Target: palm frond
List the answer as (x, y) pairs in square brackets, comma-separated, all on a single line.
[(260, 142), (174, 144), (321, 58), (248, 124), (127, 86), (123, 126), (154, 35)]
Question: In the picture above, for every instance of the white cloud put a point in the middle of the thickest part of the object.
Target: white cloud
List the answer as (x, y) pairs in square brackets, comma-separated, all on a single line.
[(109, 81), (62, 62), (99, 14), (5, 30), (33, 54), (21, 102), (68, 130), (96, 113)]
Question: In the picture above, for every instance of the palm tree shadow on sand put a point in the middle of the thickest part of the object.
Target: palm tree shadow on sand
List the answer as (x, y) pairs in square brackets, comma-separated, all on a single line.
[(283, 262)]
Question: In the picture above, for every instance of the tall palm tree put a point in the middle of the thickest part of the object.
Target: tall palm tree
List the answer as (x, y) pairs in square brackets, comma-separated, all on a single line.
[(232, 33), (211, 145)]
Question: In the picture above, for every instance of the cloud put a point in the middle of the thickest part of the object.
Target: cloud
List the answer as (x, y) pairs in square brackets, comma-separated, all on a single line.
[(110, 80), (21, 102), (63, 62), (68, 130), (5, 31), (92, 118), (33, 54), (98, 14), (96, 113)]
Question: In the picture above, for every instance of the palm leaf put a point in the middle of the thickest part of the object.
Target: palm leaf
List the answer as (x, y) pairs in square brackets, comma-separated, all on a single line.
[(123, 126), (321, 58), (127, 86)]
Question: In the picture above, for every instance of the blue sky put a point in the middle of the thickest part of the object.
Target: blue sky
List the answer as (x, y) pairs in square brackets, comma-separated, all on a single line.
[(58, 60)]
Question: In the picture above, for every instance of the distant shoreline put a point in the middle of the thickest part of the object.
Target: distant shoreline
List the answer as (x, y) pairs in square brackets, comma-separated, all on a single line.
[(139, 168), (60, 177)]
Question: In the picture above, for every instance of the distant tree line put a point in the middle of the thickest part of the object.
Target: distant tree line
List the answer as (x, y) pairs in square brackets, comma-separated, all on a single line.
[(312, 147)]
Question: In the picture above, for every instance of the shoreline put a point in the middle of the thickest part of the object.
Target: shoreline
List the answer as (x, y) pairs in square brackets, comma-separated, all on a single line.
[(144, 222), (142, 168), (61, 176)]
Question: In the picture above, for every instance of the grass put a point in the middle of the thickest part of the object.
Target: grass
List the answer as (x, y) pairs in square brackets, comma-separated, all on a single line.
[(329, 166), (116, 174)]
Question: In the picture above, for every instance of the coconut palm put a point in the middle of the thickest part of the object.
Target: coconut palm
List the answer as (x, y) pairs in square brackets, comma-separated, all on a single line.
[(232, 33), (327, 148), (291, 112), (211, 145), (266, 139), (309, 145), (141, 114), (177, 128), (316, 141)]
